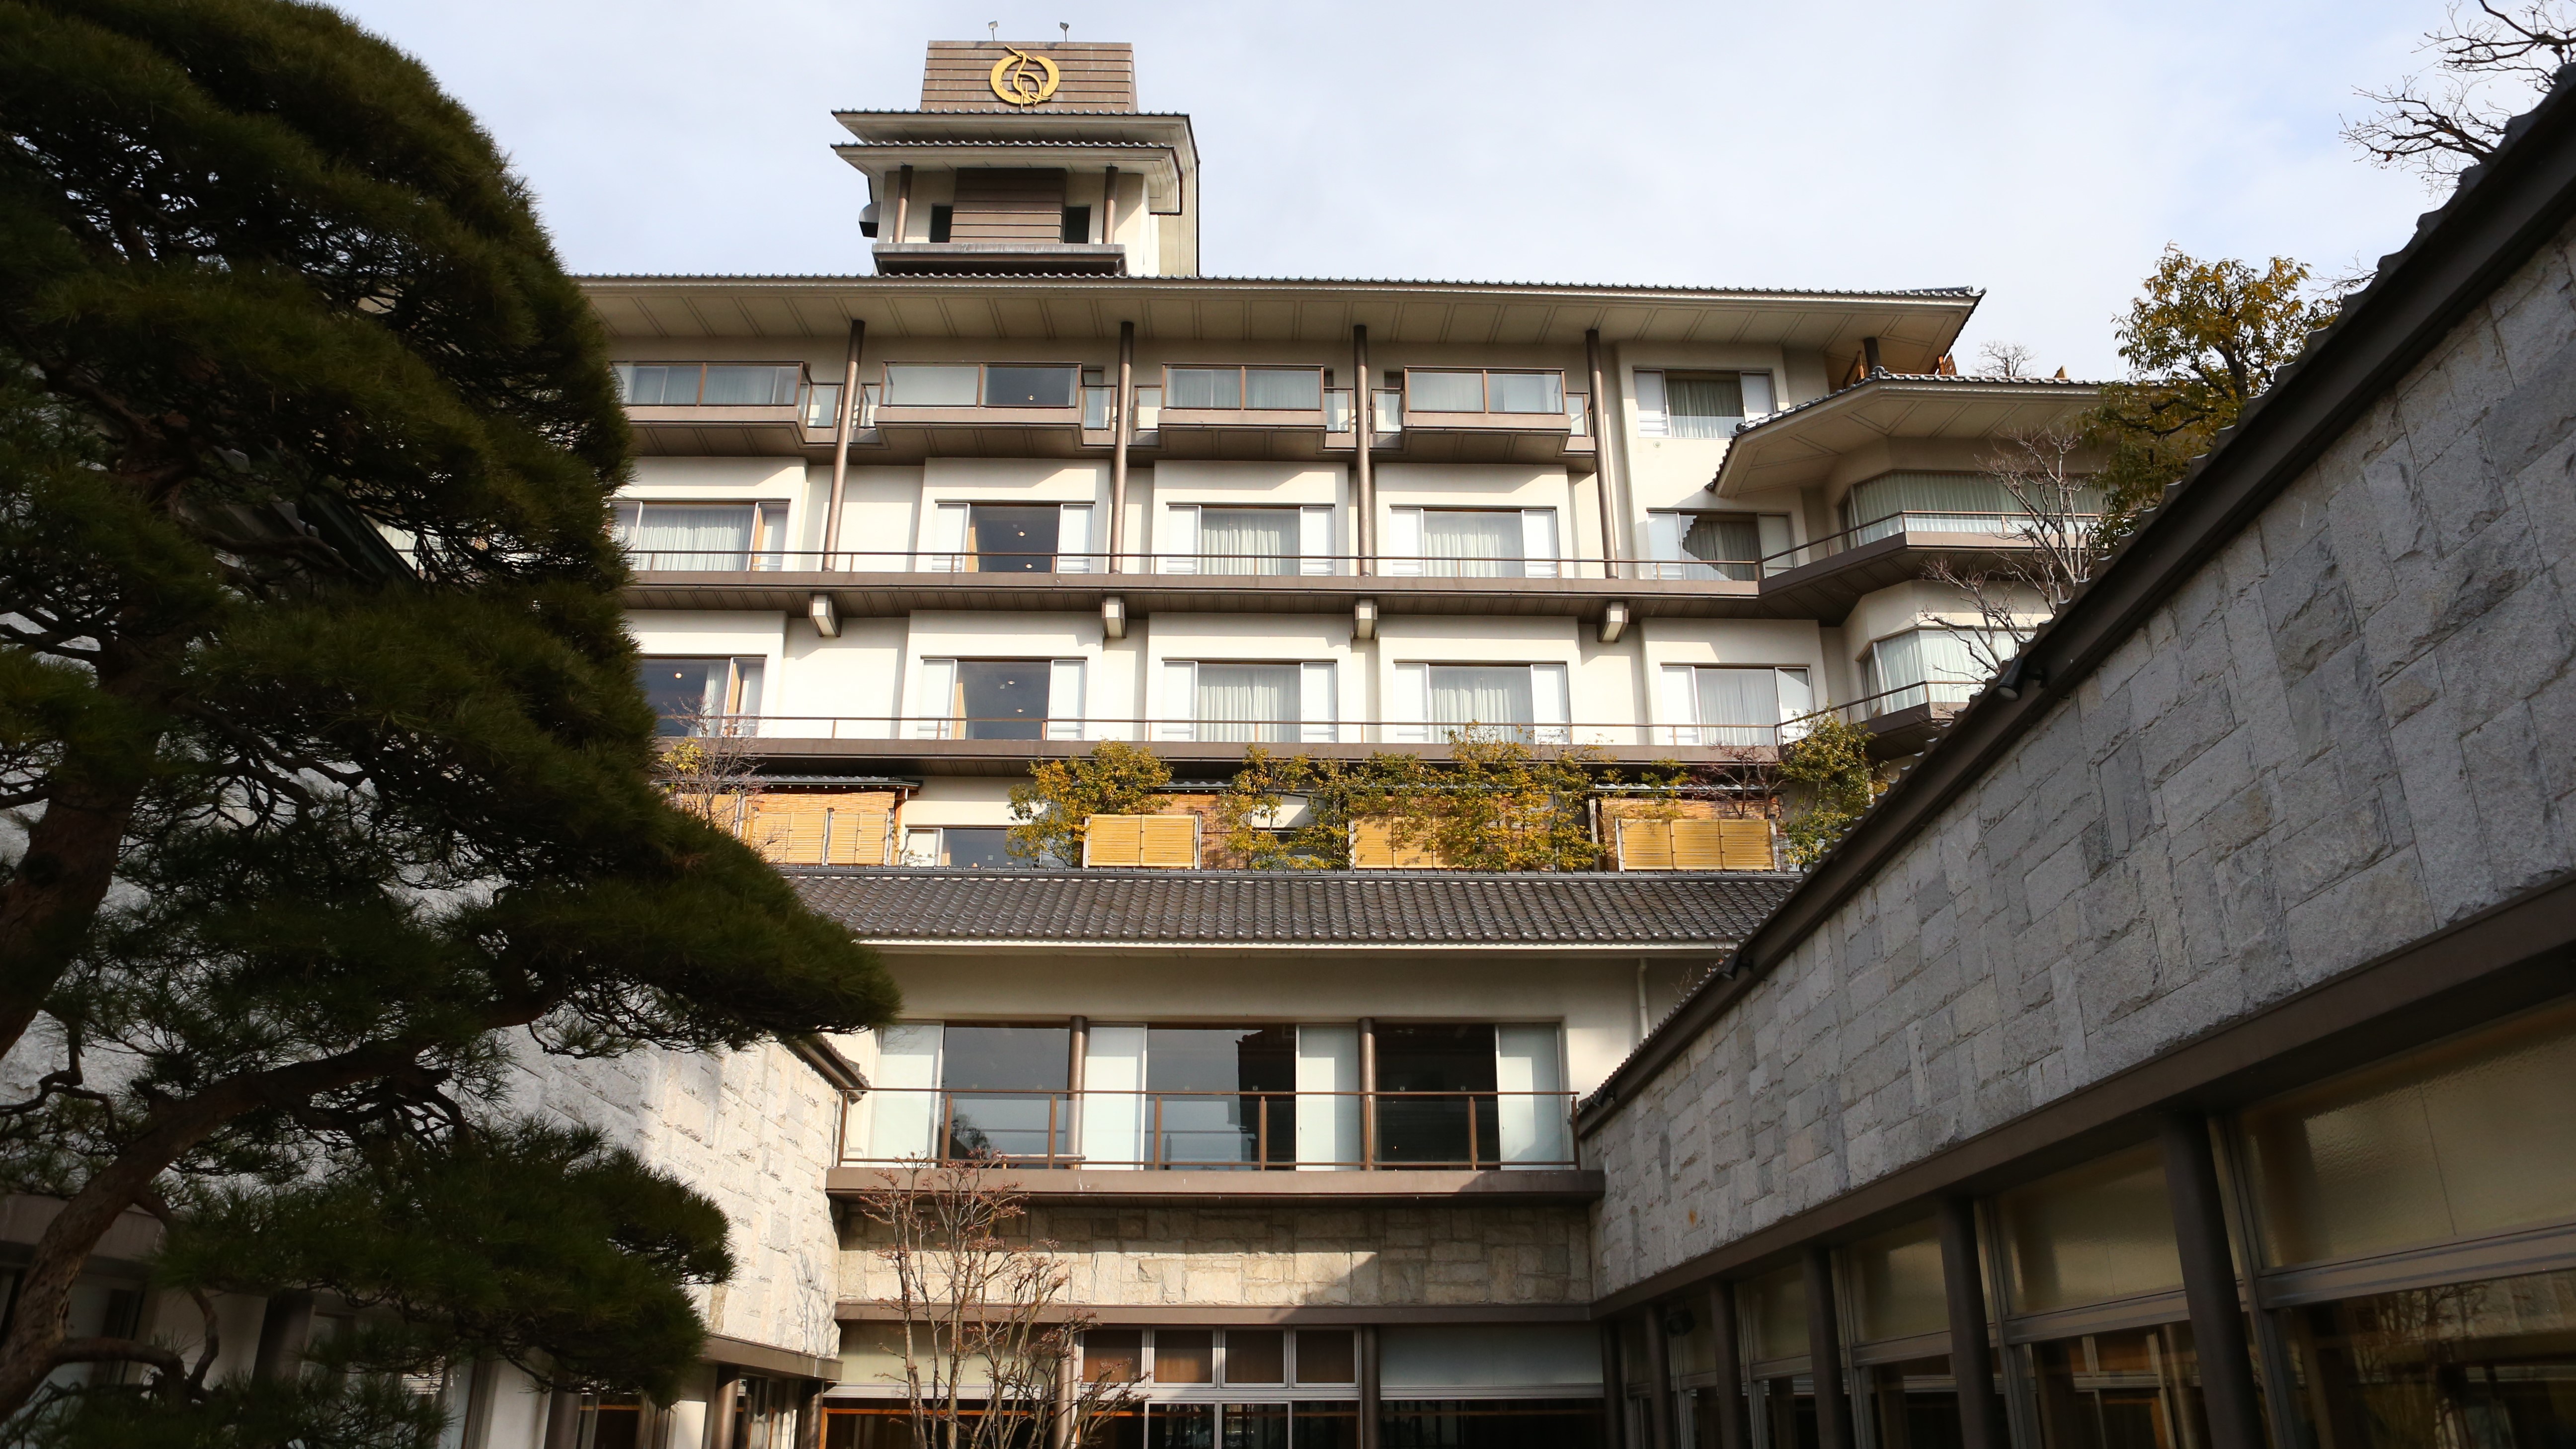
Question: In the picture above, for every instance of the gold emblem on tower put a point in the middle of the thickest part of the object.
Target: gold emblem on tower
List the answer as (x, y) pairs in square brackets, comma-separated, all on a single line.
[(1022, 79)]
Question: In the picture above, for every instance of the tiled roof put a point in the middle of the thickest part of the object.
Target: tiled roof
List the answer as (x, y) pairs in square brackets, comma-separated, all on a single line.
[(1684, 292), (1292, 908), (1944, 379)]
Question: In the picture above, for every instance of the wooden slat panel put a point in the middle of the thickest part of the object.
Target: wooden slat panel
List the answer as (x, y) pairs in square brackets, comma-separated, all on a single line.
[(1745, 845), (1112, 840), (1090, 76), (997, 205), (1169, 842), (1698, 844), (1373, 848), (1647, 844), (857, 837)]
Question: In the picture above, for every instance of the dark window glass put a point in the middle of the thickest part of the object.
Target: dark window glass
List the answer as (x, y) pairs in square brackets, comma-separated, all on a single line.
[(682, 689), (1283, 388), (2490, 1363), (1077, 224), (1180, 1426), (1203, 387), (1017, 386), (2112, 1390), (1013, 538), (1115, 1354), (732, 385), (1490, 1424), (977, 847), (1442, 1081), (1004, 1088), (1256, 1426), (1917, 1404), (1324, 1426), (663, 385), (1256, 1355), (1326, 1356), (1223, 1095), (940, 216), (1005, 699)]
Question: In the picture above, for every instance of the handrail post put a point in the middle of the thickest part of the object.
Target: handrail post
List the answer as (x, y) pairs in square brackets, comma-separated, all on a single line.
[(1368, 1092), (1471, 1131)]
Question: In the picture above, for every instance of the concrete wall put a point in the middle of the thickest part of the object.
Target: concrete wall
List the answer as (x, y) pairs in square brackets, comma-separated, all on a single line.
[(2349, 728)]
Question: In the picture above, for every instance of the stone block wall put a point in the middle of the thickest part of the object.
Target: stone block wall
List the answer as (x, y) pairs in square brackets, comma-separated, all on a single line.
[(1376, 1255), (2354, 725)]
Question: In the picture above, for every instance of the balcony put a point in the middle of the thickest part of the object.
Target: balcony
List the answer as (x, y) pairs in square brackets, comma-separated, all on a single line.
[(702, 409), (1484, 415), (1250, 413), (1339, 1146), (1903, 719), (1824, 577)]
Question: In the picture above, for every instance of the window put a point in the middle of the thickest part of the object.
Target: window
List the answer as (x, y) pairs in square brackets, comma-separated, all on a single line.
[(1000, 699), (1077, 225), (702, 537), (1931, 667), (1504, 701), (1272, 389), (1699, 404), (1472, 542), (1730, 705), (943, 216), (1227, 1095), (709, 384), (961, 847), (1469, 1095), (1008, 538), (1446, 390), (994, 385), (1971, 503), (702, 696), (1271, 703), (1264, 539), (1694, 545), (1003, 1089)]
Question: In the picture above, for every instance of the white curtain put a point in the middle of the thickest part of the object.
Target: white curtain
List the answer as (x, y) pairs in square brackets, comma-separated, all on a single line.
[(1462, 544), (691, 537), (1942, 503), (1328, 1127), (1730, 546), (1705, 407), (1739, 706), (1248, 540), (1445, 392), (1113, 1097), (903, 1096), (1248, 701), (1930, 666), (1482, 694), (1533, 1125)]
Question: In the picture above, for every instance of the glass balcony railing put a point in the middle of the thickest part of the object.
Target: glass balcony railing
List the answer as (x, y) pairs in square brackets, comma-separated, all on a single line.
[(1097, 402), (1215, 1130)]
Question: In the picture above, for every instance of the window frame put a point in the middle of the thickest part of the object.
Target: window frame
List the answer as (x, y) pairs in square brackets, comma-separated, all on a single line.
[(983, 387)]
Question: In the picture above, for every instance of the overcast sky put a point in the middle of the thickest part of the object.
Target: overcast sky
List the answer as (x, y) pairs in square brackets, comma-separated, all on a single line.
[(2044, 152)]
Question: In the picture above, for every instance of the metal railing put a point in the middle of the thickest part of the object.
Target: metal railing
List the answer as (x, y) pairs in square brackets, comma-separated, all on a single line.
[(1248, 1131), (2007, 530), (1176, 564), (1943, 693), (1750, 738)]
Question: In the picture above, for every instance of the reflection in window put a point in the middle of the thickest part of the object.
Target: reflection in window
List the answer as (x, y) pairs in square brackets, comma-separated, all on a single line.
[(1932, 667), (1003, 699), (961, 847), (1231, 1094), (700, 696), (2137, 1388), (2469, 1364), (1003, 1090), (1013, 537)]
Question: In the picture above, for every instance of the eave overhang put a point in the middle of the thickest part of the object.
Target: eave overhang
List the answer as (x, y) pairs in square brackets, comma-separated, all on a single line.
[(1799, 447)]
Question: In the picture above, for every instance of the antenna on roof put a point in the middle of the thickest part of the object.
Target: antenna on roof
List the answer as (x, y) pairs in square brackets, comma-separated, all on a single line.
[(1067, 27), (993, 28)]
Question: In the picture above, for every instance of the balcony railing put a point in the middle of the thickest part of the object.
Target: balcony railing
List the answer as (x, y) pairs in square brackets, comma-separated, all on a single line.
[(1245, 1131), (1939, 693), (2006, 530), (1171, 566), (1750, 740)]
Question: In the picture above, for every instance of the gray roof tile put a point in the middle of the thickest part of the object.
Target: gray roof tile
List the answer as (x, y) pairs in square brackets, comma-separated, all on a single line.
[(1323, 908)]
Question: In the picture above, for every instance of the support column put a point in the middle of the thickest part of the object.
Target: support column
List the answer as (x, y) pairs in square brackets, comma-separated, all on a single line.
[(563, 1420), (841, 443), (1121, 426), (1733, 1432), (1368, 1092), (1109, 213), (1604, 488), (1659, 1381), (285, 1327), (2209, 1285), (1825, 1352), (1072, 1133), (1972, 1360), (903, 206), (1367, 1347), (720, 1410), (1363, 475)]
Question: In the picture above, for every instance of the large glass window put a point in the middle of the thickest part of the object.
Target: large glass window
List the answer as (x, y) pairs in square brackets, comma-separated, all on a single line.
[(1467, 543), (1431, 1080), (1025, 386), (1003, 1088), (1730, 705), (709, 384), (2490, 1363), (1970, 503), (1447, 390), (1489, 1423), (1704, 405), (1482, 694), (1013, 537), (932, 384), (1223, 1096), (1003, 699), (1931, 667), (1249, 702), (1272, 389), (1444, 392), (2091, 1234), (702, 537), (701, 696), (1249, 540), (2138, 1387)]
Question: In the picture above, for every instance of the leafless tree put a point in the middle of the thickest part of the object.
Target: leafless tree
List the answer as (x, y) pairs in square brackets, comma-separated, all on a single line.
[(2003, 359), (2047, 549), (988, 1346), (709, 773), (2490, 64)]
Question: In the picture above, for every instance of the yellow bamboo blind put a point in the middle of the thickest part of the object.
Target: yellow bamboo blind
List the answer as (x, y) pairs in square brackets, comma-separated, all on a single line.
[(1156, 842), (1373, 847), (1743, 844), (820, 829)]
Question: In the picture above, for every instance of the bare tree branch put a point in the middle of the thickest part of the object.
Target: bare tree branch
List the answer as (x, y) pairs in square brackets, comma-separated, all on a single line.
[(2047, 549), (2490, 64)]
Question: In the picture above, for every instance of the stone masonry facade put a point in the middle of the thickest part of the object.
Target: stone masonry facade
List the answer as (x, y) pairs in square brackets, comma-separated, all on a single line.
[(2348, 729), (1369, 1256)]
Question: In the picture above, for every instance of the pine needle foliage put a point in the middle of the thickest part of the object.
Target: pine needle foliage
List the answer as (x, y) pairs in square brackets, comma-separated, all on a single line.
[(331, 777)]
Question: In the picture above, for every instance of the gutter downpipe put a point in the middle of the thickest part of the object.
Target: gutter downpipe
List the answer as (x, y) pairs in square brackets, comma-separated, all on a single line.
[(1121, 426), (1364, 416), (1604, 485), (841, 444)]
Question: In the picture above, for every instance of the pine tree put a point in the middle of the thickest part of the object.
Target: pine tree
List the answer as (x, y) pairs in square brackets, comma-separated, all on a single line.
[(329, 767)]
